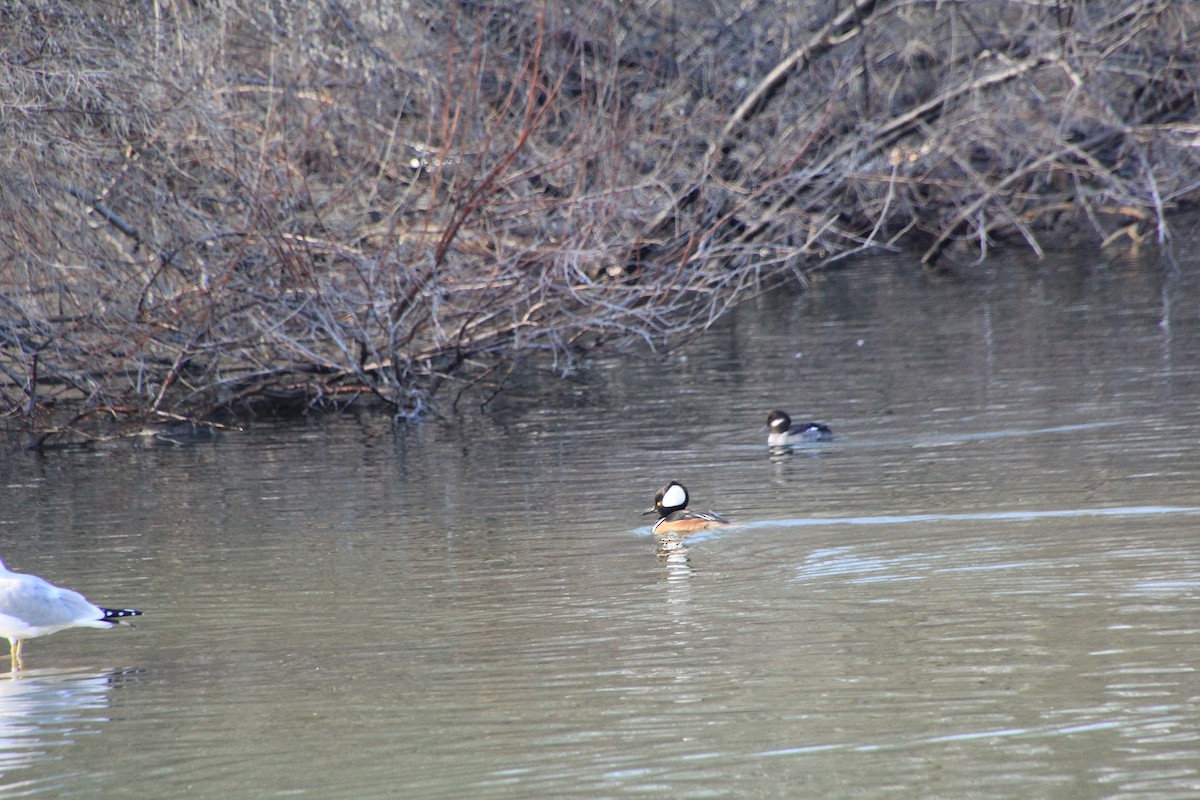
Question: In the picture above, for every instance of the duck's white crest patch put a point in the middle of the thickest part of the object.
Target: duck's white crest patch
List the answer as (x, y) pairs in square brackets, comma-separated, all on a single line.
[(674, 497)]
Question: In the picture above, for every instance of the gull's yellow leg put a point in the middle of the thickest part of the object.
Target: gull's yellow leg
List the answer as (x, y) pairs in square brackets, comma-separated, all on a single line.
[(14, 653)]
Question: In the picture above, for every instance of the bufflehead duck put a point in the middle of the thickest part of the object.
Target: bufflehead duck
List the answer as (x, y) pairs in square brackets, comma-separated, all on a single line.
[(783, 432), (670, 503), (31, 607)]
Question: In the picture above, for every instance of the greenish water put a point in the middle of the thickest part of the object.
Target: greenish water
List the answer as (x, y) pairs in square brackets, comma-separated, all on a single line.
[(987, 585)]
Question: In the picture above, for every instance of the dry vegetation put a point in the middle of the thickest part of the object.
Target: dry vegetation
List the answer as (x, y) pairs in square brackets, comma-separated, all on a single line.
[(224, 206)]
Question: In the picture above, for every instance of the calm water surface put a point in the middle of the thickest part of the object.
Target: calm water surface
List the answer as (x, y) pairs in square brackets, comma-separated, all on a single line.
[(988, 585)]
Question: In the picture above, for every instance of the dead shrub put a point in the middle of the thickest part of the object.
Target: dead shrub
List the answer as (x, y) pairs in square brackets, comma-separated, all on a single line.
[(227, 206)]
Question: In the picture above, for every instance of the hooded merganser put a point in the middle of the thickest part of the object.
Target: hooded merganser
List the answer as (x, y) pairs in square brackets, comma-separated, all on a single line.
[(783, 432), (670, 503)]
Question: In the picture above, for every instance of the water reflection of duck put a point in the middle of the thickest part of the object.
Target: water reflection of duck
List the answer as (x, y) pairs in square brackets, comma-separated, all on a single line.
[(31, 607), (670, 503), (783, 432)]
